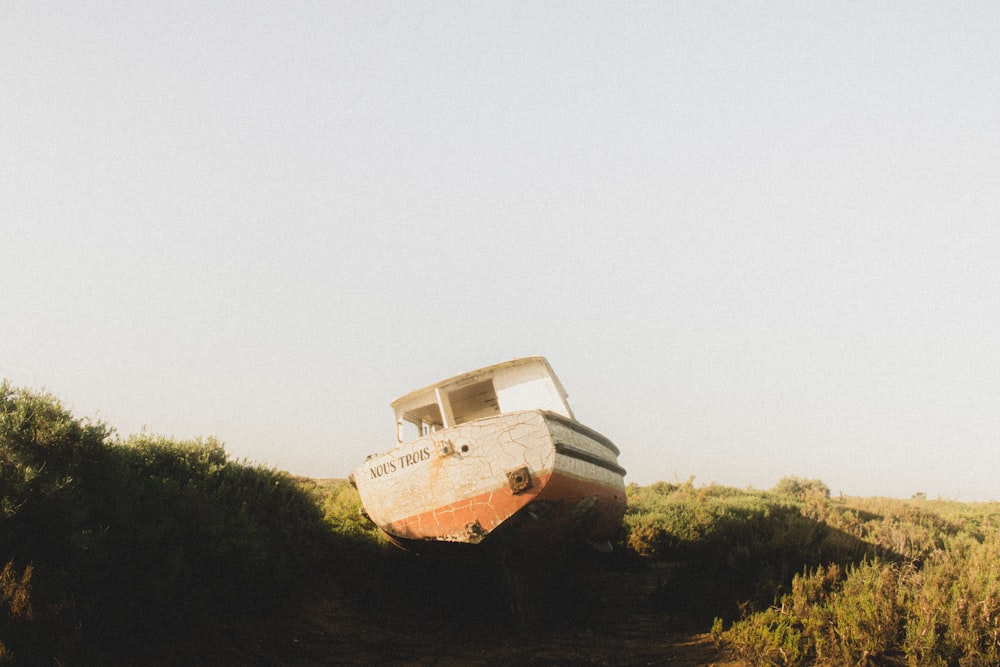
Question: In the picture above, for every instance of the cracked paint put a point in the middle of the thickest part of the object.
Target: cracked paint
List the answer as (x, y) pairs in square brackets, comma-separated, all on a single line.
[(463, 497), (486, 461)]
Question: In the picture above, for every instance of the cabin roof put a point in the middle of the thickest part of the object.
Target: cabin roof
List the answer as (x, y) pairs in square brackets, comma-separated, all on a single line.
[(428, 394)]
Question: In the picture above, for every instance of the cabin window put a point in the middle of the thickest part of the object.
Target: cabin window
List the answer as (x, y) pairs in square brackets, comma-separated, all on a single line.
[(420, 422), (474, 401)]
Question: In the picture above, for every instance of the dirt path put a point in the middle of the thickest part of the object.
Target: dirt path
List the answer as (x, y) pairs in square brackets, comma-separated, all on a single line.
[(458, 611), (326, 631)]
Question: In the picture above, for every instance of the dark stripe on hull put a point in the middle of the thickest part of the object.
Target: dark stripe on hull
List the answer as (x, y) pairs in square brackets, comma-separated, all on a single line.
[(579, 454), (583, 430)]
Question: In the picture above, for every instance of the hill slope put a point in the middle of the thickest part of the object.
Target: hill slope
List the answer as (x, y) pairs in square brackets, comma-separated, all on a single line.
[(150, 550)]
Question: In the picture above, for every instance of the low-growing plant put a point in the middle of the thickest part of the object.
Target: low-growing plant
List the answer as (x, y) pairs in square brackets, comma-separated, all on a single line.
[(342, 509), (730, 547), (942, 609), (773, 639)]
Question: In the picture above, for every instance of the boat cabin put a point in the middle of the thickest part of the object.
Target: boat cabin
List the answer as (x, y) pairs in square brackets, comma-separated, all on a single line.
[(512, 386)]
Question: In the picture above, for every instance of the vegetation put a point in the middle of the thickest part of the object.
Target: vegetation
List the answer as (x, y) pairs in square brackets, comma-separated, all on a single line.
[(826, 581), (111, 547), (108, 544)]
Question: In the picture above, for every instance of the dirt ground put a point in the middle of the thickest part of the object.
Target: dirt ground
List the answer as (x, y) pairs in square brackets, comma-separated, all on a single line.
[(325, 630), (467, 610)]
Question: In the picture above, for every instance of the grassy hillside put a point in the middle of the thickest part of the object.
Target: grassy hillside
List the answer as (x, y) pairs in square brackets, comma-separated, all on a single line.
[(108, 545), (795, 577), (115, 548)]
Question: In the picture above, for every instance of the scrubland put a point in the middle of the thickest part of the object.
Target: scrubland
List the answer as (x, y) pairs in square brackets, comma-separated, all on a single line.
[(795, 577), (148, 550)]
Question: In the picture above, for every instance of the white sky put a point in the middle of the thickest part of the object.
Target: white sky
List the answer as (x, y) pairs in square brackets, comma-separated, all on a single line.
[(754, 239)]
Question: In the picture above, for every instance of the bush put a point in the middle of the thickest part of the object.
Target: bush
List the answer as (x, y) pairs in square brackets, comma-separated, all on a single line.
[(802, 489), (106, 542), (731, 548), (940, 610), (821, 581), (341, 506)]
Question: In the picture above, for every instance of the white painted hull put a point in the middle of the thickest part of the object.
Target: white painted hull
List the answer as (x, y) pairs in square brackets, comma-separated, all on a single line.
[(533, 474)]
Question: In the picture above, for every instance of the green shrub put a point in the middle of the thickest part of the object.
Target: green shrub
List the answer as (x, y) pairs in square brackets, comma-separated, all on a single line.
[(342, 510), (828, 620), (943, 610), (729, 547), (129, 542), (773, 638), (15, 602), (801, 489)]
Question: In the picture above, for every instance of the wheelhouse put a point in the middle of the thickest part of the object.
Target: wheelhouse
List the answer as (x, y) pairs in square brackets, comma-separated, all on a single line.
[(513, 386)]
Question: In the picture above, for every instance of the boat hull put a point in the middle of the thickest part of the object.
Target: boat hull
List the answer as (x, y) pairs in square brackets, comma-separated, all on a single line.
[(533, 475)]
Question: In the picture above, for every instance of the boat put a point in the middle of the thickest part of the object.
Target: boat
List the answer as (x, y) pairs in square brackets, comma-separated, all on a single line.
[(494, 454)]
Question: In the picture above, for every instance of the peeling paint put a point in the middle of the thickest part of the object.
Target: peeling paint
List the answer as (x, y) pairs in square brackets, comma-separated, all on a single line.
[(536, 471)]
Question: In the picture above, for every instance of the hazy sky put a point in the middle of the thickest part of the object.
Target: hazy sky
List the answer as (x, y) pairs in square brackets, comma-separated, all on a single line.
[(753, 239)]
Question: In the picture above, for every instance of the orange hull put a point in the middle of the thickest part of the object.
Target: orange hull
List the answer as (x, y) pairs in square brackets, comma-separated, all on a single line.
[(563, 508)]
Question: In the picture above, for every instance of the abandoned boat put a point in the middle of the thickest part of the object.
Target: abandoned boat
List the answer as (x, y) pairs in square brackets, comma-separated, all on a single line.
[(495, 451)]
